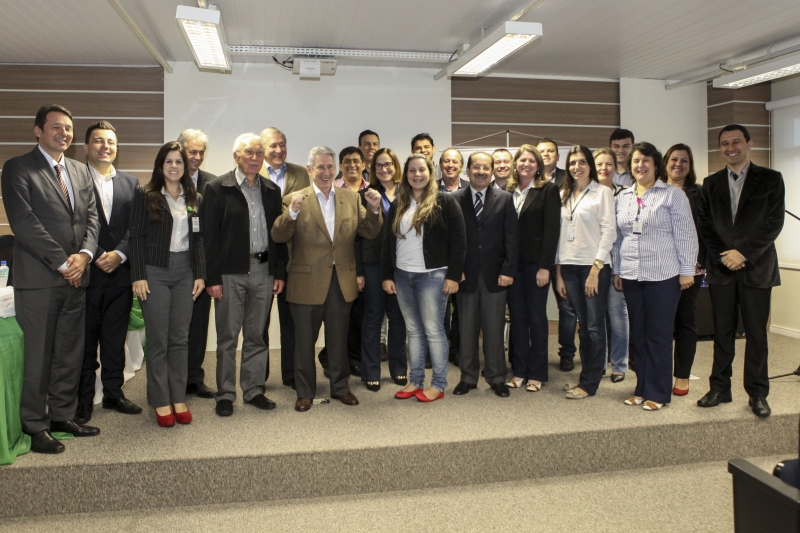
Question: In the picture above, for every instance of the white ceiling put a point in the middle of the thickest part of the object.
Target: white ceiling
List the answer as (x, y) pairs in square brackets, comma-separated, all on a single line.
[(585, 38)]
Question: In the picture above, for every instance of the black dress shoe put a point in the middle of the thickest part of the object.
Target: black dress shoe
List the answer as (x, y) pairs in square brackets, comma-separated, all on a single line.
[(384, 352), (290, 383), (83, 413), (501, 389), (463, 388), (262, 402), (760, 406), (43, 442), (123, 405), (355, 369), (224, 408), (200, 389), (616, 378), (566, 364), (714, 398), (74, 429)]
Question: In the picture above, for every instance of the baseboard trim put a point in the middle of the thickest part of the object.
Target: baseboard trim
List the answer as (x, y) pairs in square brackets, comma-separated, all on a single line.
[(785, 331)]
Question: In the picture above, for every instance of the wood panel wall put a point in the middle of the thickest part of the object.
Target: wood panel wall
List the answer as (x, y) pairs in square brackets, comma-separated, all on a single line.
[(131, 98), (743, 106), (569, 112)]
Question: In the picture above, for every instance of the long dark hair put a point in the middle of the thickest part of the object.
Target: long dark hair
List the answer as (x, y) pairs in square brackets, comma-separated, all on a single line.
[(569, 182), (154, 199), (647, 150), (691, 177)]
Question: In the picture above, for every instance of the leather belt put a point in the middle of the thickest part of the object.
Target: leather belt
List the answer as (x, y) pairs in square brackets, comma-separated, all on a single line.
[(261, 256)]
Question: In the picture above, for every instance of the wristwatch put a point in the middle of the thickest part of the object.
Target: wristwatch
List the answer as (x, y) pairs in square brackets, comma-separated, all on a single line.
[(599, 264)]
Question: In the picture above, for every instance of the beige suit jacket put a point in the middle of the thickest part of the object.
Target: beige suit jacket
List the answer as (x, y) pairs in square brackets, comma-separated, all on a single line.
[(313, 252)]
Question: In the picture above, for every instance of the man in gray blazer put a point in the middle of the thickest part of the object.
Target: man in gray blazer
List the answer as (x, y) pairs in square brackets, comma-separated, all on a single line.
[(50, 203)]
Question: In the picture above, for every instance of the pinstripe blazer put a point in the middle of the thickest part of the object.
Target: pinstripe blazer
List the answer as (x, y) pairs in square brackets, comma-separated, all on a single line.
[(149, 243)]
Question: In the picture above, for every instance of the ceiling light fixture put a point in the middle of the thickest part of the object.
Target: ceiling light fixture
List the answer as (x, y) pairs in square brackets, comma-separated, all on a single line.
[(498, 45), (203, 30), (370, 55), (759, 74)]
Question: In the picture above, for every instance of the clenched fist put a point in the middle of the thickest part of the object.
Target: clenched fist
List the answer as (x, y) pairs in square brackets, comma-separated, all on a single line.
[(373, 198), (297, 201)]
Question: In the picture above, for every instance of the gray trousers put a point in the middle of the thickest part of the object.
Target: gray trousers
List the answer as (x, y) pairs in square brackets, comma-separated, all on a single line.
[(482, 310), (245, 306), (52, 321), (167, 313), (335, 312)]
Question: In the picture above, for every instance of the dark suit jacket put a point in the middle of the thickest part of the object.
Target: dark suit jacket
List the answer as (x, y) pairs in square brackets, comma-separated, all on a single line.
[(461, 184), (540, 225), (759, 220), (492, 243), (114, 233), (149, 243), (560, 175), (693, 194), (203, 178), (369, 250), (46, 230), (226, 228)]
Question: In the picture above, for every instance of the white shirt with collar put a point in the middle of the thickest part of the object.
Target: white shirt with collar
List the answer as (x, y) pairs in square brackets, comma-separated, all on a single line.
[(594, 227), (520, 195), (326, 204), (179, 240), (105, 186)]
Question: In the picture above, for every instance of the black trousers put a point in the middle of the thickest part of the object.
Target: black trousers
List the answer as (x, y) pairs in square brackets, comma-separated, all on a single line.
[(726, 300), (353, 334), (198, 338), (451, 327), (108, 310), (686, 331), (287, 338)]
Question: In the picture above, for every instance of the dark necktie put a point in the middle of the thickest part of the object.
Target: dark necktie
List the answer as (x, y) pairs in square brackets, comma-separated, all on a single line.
[(63, 185), (734, 175), (478, 206)]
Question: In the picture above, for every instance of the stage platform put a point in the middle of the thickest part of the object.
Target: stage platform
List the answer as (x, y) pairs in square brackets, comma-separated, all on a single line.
[(387, 445)]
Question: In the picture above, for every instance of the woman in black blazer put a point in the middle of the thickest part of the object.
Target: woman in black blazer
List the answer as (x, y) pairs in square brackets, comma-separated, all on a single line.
[(538, 207), (168, 269), (679, 163), (384, 175)]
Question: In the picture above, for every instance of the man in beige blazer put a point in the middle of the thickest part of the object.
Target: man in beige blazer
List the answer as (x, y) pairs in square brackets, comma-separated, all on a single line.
[(321, 223)]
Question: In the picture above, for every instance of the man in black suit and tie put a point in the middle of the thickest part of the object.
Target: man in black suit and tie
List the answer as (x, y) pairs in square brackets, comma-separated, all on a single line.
[(195, 143), (740, 215), (491, 261), (50, 203), (567, 319), (108, 296)]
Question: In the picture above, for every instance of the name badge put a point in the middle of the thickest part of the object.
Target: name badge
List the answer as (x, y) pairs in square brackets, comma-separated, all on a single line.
[(637, 227), (570, 233), (195, 225)]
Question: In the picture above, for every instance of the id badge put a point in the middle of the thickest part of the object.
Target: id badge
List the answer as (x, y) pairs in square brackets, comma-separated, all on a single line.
[(570, 233), (637, 227), (195, 225)]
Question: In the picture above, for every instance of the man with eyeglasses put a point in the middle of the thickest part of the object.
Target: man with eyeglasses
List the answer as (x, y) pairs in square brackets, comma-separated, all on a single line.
[(321, 223)]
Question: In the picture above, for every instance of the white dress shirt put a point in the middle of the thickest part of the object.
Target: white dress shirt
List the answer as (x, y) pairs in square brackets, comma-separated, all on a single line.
[(520, 195), (105, 186), (179, 240), (594, 228)]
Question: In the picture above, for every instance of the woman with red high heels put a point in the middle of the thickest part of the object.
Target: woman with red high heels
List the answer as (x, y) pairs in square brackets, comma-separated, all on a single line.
[(168, 268)]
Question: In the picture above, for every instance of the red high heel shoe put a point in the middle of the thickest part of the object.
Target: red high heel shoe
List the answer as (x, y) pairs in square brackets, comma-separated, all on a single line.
[(165, 421), (184, 417)]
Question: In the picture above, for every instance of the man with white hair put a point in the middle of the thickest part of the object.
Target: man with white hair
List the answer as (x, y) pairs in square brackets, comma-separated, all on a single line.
[(245, 268)]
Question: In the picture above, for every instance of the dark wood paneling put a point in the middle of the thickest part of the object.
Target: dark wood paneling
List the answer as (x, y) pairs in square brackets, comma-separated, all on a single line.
[(737, 113), (81, 78), (534, 89), (754, 93), (128, 131), (534, 113), (592, 137), (721, 115), (25, 104), (758, 134), (717, 162), (133, 157)]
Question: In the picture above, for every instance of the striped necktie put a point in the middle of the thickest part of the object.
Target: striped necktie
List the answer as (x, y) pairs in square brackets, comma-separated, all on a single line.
[(63, 185), (478, 206)]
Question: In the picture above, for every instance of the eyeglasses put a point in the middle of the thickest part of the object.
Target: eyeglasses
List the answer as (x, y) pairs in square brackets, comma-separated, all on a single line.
[(324, 168), (387, 166)]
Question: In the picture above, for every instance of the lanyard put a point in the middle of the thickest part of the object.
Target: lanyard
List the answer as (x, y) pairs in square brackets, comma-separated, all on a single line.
[(572, 209)]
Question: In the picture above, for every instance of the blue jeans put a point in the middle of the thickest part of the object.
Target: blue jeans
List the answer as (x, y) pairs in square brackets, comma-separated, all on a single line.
[(619, 328), (527, 304), (423, 303), (377, 302), (592, 316)]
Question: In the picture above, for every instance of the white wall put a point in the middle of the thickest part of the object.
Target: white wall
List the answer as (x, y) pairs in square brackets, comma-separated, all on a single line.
[(664, 118), (395, 102)]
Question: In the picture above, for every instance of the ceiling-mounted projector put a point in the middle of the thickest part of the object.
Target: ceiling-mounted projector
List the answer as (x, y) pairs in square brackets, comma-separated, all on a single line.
[(311, 68)]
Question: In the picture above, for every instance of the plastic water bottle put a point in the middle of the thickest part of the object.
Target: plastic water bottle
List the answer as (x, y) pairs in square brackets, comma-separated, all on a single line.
[(3, 274)]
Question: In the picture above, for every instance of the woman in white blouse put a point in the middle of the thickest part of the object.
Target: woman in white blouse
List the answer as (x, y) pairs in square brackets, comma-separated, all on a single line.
[(588, 232)]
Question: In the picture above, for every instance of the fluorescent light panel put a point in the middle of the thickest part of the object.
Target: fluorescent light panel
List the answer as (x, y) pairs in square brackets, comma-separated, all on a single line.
[(501, 43), (781, 68), (202, 29), (377, 55)]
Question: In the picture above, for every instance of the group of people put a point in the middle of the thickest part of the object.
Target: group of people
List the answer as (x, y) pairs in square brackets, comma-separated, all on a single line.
[(622, 235)]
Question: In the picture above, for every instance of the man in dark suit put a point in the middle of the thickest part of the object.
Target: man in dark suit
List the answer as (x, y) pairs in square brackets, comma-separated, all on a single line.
[(491, 262), (321, 222), (567, 319), (195, 143), (289, 178), (108, 296), (50, 203), (740, 215), (246, 267)]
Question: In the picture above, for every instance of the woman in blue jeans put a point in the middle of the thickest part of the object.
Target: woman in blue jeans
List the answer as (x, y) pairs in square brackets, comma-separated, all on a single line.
[(423, 259), (537, 204), (588, 231)]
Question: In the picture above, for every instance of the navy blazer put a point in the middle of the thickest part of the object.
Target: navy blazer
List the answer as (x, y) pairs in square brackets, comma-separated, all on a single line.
[(540, 226), (759, 221), (492, 243)]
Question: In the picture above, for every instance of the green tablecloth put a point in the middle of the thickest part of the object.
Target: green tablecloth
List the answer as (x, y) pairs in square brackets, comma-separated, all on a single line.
[(13, 441)]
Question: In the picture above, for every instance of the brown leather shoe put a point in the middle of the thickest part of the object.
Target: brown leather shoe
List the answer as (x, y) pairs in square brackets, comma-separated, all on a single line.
[(348, 398), (302, 404)]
